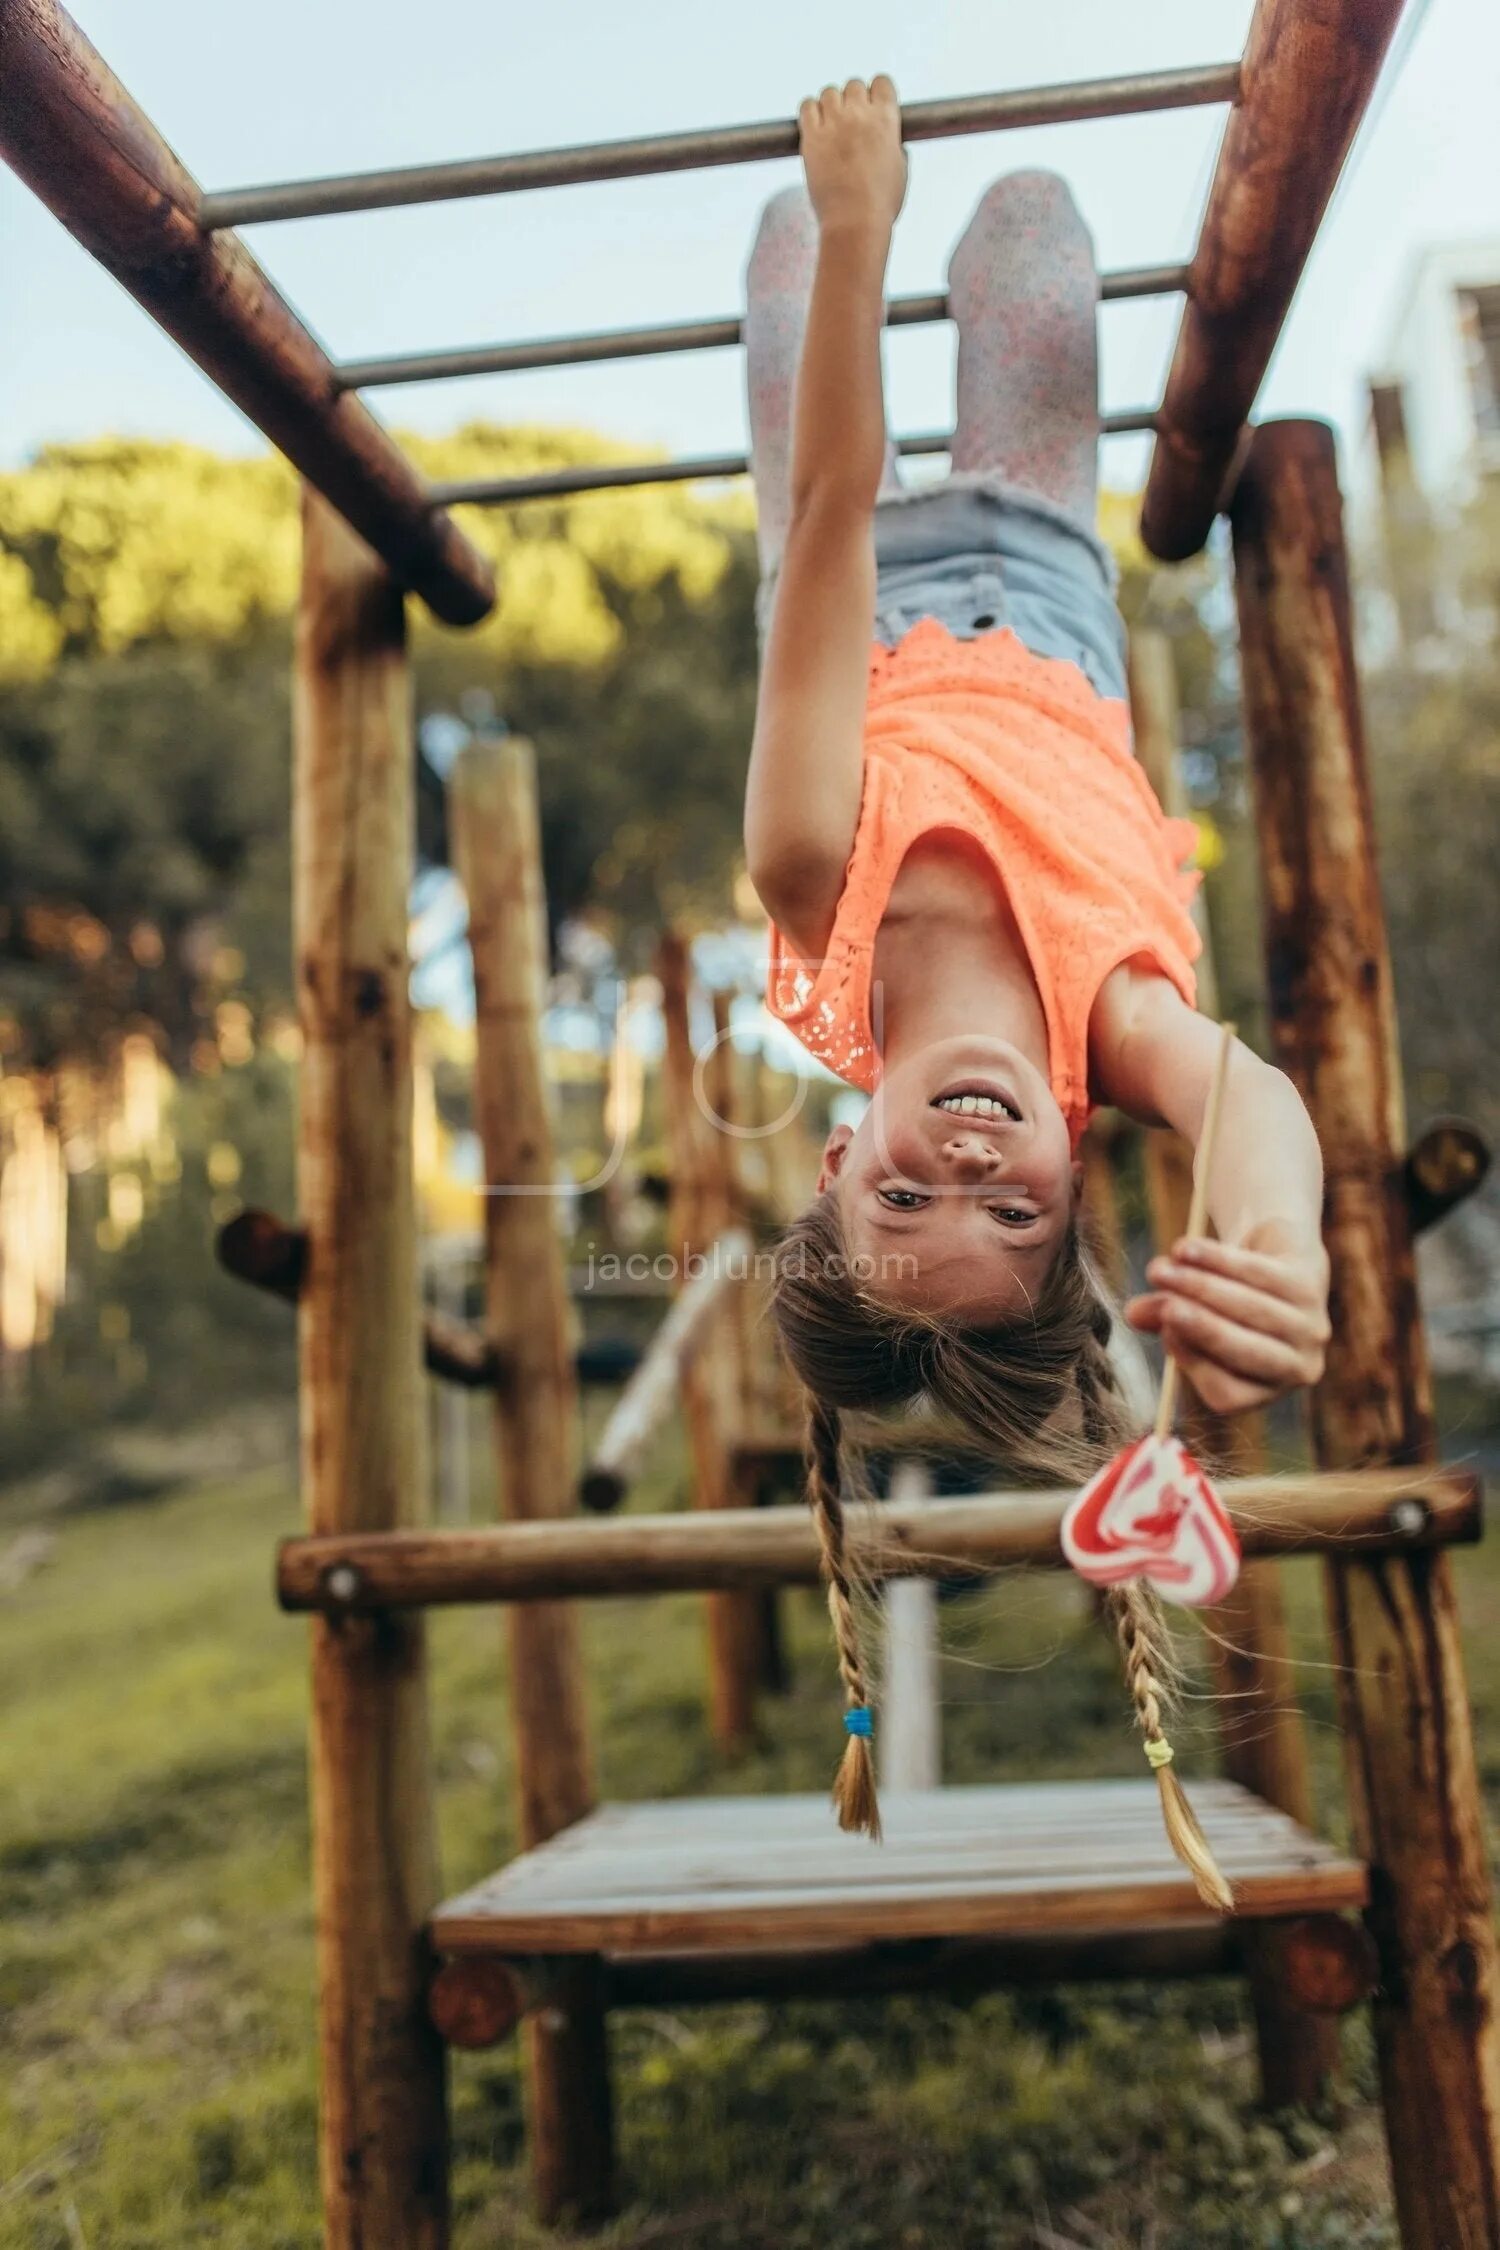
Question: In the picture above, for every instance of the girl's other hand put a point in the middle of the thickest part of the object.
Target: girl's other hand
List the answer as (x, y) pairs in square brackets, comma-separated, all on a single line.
[(852, 154), (1245, 1323)]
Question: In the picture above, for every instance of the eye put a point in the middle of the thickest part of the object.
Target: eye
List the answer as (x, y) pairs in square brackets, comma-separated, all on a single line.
[(1010, 1217), (902, 1199)]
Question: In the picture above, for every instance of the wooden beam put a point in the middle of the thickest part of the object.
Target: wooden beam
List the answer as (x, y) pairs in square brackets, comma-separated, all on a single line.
[(78, 140), (384, 2135), (257, 1247), (734, 1549), (1309, 70), (653, 1392), (1325, 1960), (1414, 1790), (497, 853), (1445, 1165)]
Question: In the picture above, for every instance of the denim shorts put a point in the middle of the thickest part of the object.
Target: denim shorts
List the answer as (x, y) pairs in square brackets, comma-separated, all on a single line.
[(978, 554)]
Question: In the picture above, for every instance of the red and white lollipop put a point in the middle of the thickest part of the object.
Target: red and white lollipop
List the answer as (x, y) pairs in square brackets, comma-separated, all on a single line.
[(1151, 1512)]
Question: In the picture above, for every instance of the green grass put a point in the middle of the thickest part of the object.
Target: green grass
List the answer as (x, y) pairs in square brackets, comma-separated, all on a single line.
[(155, 1981)]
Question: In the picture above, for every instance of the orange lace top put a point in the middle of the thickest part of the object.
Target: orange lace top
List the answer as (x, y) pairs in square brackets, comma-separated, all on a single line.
[(1020, 753)]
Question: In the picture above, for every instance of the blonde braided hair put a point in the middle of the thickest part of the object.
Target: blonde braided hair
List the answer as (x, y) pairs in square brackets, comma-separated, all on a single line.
[(854, 1794), (1006, 1386)]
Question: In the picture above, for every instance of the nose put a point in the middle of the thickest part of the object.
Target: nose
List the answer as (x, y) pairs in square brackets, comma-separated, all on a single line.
[(970, 1157)]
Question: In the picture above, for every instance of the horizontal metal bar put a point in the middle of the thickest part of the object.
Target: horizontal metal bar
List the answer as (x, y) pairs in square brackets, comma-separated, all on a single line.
[(730, 144), (559, 484), (681, 336)]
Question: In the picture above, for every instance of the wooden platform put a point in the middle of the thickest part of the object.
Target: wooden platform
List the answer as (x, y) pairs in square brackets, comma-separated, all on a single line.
[(703, 1873)]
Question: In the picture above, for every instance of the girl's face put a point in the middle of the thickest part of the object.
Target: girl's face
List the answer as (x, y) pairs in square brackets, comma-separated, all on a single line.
[(957, 1188)]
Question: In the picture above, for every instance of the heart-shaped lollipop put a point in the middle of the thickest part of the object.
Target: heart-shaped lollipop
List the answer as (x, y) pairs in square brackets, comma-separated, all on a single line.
[(1152, 1513)]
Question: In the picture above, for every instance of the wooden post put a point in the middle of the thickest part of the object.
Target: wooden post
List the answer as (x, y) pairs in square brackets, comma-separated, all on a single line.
[(1261, 1729), (750, 1369), (497, 851), (384, 2134), (1409, 1745), (710, 1386)]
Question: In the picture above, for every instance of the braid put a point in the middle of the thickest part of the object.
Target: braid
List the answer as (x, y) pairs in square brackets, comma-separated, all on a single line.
[(1098, 1389), (854, 1785), (1143, 1634), (1142, 1631)]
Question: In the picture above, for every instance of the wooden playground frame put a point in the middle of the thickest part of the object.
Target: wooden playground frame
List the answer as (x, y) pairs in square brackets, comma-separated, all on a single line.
[(1380, 1512)]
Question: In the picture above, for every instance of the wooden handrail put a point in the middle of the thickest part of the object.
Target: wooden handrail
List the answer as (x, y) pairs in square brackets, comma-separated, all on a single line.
[(650, 1395), (1368, 1511)]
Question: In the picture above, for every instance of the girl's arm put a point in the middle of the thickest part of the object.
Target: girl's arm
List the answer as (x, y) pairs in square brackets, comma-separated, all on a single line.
[(806, 767), (1246, 1315)]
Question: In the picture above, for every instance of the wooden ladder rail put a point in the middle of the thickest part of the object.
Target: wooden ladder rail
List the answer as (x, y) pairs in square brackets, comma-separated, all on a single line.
[(1260, 1723), (497, 849)]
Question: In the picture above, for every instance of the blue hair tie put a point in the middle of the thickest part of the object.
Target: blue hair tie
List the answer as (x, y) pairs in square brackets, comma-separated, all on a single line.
[(859, 1720)]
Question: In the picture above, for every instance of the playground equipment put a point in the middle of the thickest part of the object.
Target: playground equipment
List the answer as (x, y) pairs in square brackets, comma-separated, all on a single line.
[(708, 1900)]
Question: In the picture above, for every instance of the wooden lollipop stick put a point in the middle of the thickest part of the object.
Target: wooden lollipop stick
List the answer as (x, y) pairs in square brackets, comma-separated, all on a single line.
[(1166, 1404)]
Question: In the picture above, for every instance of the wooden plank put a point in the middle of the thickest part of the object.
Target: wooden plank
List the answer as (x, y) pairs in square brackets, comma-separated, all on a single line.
[(710, 1872), (78, 140), (1409, 1745), (1369, 1511), (384, 2132), (1326, 1958), (1309, 70), (794, 1917), (497, 847), (959, 1968)]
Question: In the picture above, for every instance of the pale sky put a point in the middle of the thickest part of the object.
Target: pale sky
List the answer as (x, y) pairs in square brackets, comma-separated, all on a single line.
[(295, 87)]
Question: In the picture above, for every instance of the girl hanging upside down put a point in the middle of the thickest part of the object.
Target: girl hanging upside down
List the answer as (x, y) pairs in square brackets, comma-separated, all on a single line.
[(980, 914)]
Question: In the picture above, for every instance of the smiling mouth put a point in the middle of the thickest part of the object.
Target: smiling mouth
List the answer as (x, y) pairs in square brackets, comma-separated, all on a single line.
[(978, 1101)]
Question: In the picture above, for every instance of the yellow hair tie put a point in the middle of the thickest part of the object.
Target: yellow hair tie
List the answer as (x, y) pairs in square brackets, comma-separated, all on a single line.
[(1158, 1752)]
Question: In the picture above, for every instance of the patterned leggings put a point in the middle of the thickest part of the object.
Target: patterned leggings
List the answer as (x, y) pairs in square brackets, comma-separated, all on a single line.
[(1023, 289)]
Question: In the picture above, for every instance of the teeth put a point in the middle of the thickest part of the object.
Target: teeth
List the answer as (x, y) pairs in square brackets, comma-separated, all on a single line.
[(973, 1105)]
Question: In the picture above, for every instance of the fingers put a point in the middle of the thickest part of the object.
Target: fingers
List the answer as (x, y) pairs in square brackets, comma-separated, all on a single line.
[(1297, 1280), (1297, 1322), (1221, 1391), (1226, 1390), (879, 92)]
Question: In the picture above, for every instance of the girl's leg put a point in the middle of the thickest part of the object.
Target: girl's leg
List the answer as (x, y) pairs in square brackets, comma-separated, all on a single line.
[(1023, 288), (777, 287)]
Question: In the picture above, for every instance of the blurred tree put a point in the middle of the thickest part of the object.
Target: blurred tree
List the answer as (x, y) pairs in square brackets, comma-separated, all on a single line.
[(1435, 758), (144, 591)]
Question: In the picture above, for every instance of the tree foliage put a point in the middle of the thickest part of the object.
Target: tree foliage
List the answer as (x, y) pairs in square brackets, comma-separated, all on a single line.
[(144, 596)]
